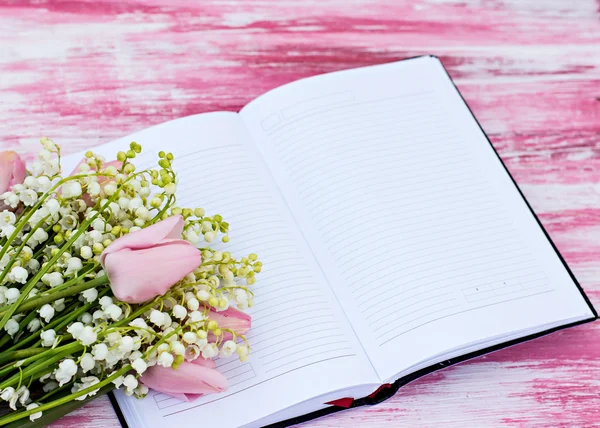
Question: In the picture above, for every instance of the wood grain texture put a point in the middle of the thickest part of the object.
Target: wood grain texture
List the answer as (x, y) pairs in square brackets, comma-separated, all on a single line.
[(86, 72)]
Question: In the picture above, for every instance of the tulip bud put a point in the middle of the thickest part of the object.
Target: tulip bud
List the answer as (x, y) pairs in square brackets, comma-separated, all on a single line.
[(144, 264), (188, 381)]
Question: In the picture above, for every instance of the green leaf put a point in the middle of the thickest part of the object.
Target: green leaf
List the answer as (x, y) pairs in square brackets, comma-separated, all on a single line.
[(58, 412)]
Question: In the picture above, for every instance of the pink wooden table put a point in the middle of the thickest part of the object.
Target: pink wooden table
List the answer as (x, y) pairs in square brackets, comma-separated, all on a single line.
[(88, 72)]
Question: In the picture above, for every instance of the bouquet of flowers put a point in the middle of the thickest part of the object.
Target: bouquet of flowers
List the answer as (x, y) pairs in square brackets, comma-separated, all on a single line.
[(104, 285)]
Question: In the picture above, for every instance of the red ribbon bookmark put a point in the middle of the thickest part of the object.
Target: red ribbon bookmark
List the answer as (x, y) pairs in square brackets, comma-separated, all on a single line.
[(347, 401), (378, 390), (342, 402)]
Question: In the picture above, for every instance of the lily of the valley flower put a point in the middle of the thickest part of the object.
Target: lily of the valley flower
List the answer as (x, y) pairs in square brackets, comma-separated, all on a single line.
[(121, 302), (101, 180), (144, 264), (188, 381), (12, 170)]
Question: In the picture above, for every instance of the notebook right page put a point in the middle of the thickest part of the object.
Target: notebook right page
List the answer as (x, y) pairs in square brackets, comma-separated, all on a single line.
[(419, 229)]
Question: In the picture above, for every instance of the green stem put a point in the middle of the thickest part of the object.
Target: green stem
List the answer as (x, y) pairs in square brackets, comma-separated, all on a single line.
[(19, 415), (18, 355), (14, 258), (38, 302), (22, 324), (46, 352), (80, 277), (136, 314), (22, 221), (56, 391), (42, 365), (66, 321), (82, 228), (34, 280), (163, 210), (72, 313), (161, 341), (57, 324), (67, 314)]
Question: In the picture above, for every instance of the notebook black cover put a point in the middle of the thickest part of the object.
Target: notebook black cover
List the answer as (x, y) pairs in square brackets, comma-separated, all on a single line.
[(389, 390)]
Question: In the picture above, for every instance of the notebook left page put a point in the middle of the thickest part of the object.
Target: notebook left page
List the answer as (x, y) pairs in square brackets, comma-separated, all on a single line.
[(301, 343)]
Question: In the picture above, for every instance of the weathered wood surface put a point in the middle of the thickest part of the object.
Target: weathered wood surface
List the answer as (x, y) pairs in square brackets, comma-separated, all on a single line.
[(86, 72)]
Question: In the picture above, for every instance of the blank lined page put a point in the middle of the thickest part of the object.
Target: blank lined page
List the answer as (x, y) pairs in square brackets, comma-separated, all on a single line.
[(419, 229), (299, 333), (282, 325)]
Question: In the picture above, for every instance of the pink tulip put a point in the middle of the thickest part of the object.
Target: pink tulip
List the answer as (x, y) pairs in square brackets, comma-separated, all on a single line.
[(232, 319), (144, 264), (188, 381), (12, 170)]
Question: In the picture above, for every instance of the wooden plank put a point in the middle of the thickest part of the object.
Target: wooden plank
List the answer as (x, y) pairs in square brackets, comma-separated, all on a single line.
[(89, 71)]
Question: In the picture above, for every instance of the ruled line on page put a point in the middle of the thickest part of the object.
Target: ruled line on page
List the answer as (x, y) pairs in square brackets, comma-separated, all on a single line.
[(286, 284), (311, 300), (286, 314), (438, 241), (360, 107), (405, 235), (465, 311), (355, 280), (288, 281), (223, 363), (330, 333), (383, 139), (445, 304), (361, 177), (446, 297), (393, 196), (293, 350), (417, 203), (310, 163), (412, 192), (373, 308), (479, 254), (389, 118), (384, 136), (510, 262), (234, 376), (222, 396), (349, 212), (442, 244), (484, 272), (343, 113), (304, 358)]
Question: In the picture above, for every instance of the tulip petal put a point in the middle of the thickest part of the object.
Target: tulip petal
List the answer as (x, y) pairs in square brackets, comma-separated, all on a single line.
[(206, 362), (233, 319), (5, 173), (180, 396), (192, 397), (189, 379), (137, 276), (169, 228), (12, 170), (19, 171)]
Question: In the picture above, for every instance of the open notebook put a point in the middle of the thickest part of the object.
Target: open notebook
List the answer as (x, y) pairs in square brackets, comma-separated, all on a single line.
[(393, 239)]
